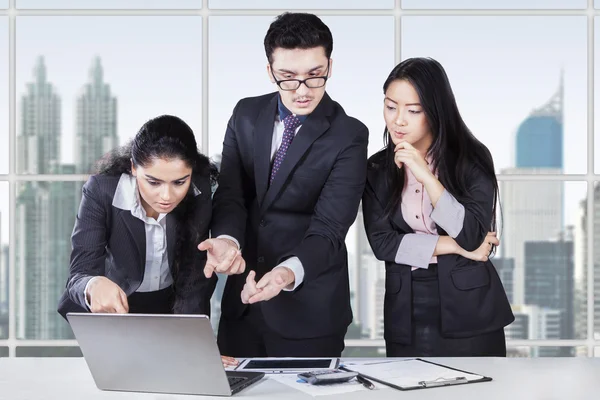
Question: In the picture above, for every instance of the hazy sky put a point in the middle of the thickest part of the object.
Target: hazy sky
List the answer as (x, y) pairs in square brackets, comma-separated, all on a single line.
[(304, 4), (153, 66), (109, 4), (4, 95), (500, 68), (495, 4), (362, 59), (500, 72)]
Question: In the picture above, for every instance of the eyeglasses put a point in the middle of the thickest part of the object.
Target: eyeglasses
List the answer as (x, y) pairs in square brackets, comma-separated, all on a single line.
[(293, 84)]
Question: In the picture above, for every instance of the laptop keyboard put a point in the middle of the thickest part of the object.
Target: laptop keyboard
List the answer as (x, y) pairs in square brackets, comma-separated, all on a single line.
[(234, 380)]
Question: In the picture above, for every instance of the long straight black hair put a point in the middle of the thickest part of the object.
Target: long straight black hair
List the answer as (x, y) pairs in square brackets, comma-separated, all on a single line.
[(166, 137), (454, 149)]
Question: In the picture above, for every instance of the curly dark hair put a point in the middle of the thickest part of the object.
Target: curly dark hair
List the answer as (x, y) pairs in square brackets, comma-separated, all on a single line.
[(166, 137)]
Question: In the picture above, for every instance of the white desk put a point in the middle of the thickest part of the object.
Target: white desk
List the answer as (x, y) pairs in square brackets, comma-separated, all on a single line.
[(513, 378)]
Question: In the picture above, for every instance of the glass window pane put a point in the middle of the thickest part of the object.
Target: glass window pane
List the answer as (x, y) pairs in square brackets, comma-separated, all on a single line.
[(546, 351), (520, 83), (596, 266), (367, 284), (3, 351), (3, 3), (4, 96), (597, 91), (4, 254), (497, 4), (541, 258), (45, 217), (363, 351), (306, 4), (71, 112), (41, 351), (361, 98), (109, 4)]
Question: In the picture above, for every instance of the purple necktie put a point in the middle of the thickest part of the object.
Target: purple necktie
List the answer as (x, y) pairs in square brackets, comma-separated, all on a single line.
[(290, 124)]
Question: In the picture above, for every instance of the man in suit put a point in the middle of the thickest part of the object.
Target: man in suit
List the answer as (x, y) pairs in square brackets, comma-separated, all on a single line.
[(292, 175)]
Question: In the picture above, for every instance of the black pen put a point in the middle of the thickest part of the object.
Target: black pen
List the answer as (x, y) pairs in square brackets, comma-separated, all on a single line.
[(365, 382)]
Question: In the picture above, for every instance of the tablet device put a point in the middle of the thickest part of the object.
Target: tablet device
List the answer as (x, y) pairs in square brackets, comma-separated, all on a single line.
[(287, 365)]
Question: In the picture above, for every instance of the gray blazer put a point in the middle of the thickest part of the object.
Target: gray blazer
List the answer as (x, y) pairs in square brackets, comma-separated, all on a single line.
[(109, 241)]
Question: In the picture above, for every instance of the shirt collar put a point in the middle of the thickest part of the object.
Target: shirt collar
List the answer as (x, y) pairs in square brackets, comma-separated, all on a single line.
[(284, 112), (127, 197)]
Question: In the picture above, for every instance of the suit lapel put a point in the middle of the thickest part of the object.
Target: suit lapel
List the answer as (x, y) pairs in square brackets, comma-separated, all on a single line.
[(171, 238), (315, 125), (263, 138), (400, 221), (383, 192), (138, 236)]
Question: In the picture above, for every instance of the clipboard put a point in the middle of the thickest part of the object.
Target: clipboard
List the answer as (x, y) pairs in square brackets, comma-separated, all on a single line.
[(454, 376)]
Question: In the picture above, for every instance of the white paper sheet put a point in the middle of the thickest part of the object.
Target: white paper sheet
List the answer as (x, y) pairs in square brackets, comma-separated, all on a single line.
[(317, 390), (409, 373)]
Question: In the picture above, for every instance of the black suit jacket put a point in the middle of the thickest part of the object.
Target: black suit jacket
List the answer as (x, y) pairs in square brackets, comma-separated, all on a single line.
[(306, 211), (109, 241), (472, 298)]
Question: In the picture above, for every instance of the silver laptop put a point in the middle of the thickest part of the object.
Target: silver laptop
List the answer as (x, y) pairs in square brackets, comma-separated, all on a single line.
[(156, 353)]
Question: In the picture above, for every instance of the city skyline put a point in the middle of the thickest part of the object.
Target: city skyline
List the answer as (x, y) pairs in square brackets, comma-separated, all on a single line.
[(143, 84)]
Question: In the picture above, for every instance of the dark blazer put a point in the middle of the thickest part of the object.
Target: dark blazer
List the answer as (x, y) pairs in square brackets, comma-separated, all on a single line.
[(306, 211), (472, 298), (109, 241)]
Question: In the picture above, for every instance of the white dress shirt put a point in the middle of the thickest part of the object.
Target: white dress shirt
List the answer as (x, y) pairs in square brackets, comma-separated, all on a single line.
[(292, 263)]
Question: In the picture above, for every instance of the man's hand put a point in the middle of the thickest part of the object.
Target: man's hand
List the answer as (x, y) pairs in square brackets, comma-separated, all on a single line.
[(222, 255), (104, 295), (268, 287), (482, 253)]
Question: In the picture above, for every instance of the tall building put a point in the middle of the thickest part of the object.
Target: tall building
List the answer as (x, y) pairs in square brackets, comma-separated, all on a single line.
[(46, 211), (532, 210), (369, 285), (45, 217), (539, 140), (549, 279), (96, 125), (505, 268), (215, 302), (38, 143), (3, 286), (535, 322), (581, 268)]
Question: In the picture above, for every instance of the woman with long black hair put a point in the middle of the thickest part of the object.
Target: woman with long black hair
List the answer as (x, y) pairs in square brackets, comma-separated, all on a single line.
[(139, 223), (430, 213)]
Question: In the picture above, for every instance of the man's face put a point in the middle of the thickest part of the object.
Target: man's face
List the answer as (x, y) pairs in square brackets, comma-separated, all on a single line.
[(300, 64)]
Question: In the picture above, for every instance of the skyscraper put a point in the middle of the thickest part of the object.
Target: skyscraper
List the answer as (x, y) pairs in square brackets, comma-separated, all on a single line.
[(506, 269), (38, 144), (539, 140), (3, 287), (532, 210), (45, 211), (96, 125), (549, 279), (581, 268), (532, 321)]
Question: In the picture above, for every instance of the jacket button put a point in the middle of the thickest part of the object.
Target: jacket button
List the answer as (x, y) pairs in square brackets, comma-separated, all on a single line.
[(262, 223), (261, 259)]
